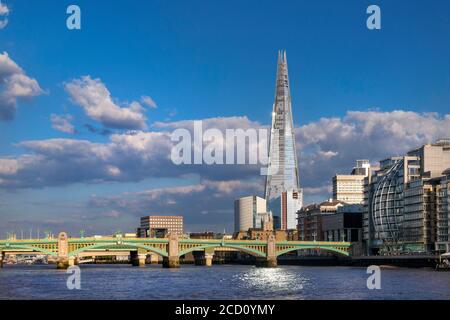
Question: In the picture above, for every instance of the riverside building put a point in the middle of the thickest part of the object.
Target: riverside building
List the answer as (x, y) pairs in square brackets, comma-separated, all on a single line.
[(310, 219), (160, 226), (350, 187), (401, 202)]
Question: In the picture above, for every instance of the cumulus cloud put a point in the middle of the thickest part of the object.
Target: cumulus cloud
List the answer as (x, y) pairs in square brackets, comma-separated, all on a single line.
[(4, 12), (221, 123), (66, 161), (8, 166), (326, 147), (62, 123), (208, 202), (14, 85), (125, 157), (332, 145), (148, 101), (111, 214), (93, 96)]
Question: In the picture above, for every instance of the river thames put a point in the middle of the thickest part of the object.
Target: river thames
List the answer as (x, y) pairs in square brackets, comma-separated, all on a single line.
[(221, 282)]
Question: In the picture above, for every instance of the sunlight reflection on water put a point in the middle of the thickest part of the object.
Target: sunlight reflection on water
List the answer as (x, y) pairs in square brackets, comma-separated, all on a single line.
[(273, 279)]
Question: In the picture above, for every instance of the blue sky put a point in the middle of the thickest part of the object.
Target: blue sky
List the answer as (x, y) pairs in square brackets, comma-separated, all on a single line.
[(207, 59)]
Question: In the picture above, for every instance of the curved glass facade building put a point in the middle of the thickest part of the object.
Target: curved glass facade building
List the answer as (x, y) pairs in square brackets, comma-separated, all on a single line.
[(405, 202), (386, 202), (387, 205)]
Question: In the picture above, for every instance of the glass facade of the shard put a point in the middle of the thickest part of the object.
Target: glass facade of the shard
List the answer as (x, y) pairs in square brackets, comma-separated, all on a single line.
[(283, 194)]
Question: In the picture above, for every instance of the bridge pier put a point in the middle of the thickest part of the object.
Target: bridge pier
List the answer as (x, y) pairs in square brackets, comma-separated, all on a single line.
[(73, 261), (171, 262), (62, 261), (173, 259), (198, 257), (270, 261), (204, 258), (2, 258), (208, 259), (266, 262), (138, 258), (141, 260), (154, 258)]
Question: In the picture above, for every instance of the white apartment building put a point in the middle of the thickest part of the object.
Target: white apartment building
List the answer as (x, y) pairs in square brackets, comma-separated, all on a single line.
[(349, 188)]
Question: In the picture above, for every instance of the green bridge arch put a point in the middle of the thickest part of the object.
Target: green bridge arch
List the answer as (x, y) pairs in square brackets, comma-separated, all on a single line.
[(29, 247), (112, 245), (250, 251), (341, 252)]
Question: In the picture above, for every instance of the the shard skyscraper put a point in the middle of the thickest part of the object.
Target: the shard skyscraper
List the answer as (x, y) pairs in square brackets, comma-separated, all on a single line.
[(283, 193)]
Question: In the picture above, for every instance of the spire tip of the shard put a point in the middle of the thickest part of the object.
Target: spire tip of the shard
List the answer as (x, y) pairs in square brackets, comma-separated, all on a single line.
[(282, 59)]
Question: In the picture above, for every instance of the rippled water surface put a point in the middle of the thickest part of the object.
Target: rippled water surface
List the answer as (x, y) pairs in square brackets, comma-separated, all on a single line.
[(221, 282)]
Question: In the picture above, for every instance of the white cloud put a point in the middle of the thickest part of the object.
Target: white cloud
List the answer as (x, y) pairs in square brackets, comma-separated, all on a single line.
[(4, 12), (328, 154), (93, 96), (14, 85), (111, 214), (332, 145), (126, 157), (326, 147), (148, 101), (3, 23), (62, 123), (8, 67), (221, 123), (205, 203), (8, 166), (113, 171)]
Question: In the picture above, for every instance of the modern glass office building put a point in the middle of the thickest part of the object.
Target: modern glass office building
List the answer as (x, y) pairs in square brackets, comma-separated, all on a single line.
[(283, 194)]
